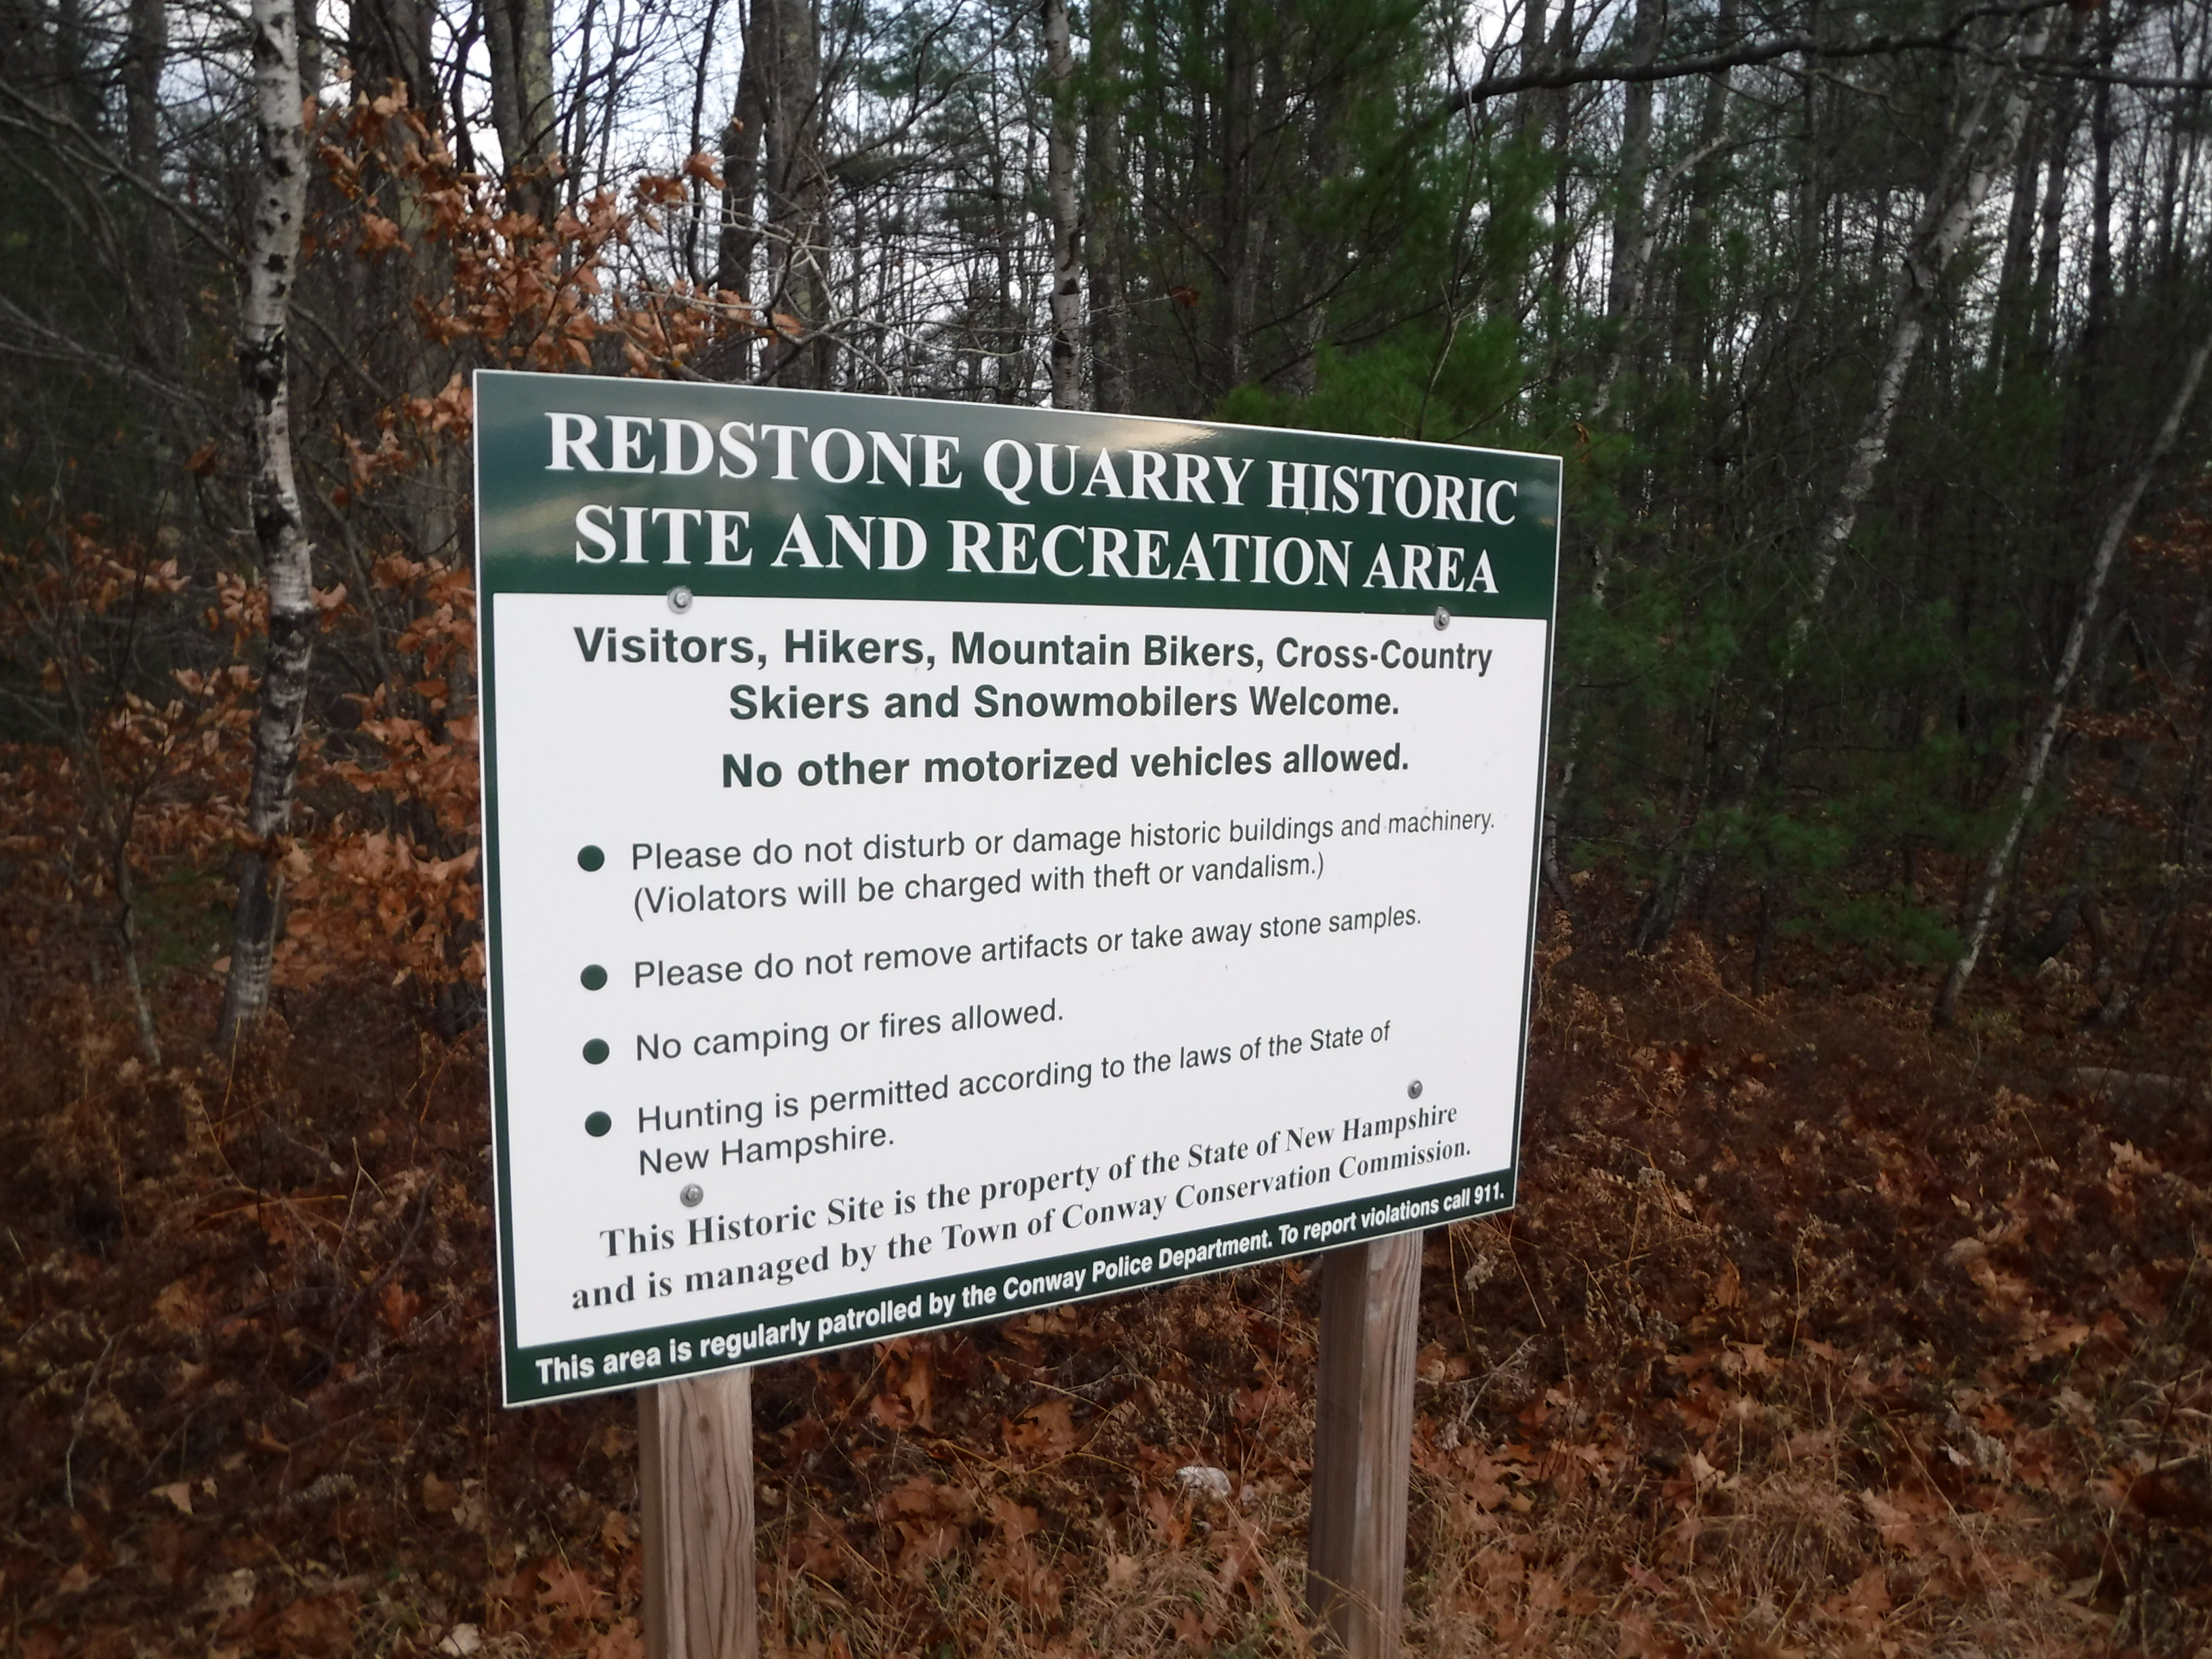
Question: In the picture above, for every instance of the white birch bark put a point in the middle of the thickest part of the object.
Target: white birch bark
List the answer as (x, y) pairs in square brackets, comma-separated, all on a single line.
[(1962, 184), (264, 354), (2062, 682), (1059, 189)]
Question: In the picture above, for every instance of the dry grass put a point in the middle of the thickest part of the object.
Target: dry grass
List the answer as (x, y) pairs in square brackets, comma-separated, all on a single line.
[(1815, 1333)]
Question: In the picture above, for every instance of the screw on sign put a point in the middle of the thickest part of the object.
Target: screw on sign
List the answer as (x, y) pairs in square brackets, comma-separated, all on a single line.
[(785, 693)]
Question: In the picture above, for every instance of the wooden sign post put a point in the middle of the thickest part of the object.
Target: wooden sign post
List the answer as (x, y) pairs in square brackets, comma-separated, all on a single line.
[(1362, 1444), (694, 1476), (696, 1480)]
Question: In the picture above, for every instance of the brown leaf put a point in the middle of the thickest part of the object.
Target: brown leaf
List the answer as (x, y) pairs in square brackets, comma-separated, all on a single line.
[(617, 1533), (399, 1308), (316, 1625), (566, 1589), (1016, 1521), (1640, 1638), (920, 1389), (621, 1642), (181, 1306), (1727, 1289), (1043, 1431)]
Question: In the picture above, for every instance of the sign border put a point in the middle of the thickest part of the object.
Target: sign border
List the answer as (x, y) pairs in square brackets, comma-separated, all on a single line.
[(520, 1367)]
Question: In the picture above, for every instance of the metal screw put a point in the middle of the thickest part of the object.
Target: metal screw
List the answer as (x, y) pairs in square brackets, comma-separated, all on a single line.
[(692, 1193), (1413, 1090), (1444, 619), (679, 601)]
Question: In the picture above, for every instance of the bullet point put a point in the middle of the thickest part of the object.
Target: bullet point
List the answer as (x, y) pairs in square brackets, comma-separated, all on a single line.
[(591, 858), (594, 977), (598, 1124), (595, 1051)]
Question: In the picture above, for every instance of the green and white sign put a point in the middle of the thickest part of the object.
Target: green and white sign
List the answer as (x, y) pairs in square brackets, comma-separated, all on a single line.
[(944, 859)]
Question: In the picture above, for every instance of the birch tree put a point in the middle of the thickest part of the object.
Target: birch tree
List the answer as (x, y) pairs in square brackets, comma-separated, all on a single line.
[(1972, 162), (280, 530), (1060, 190), (1982, 906)]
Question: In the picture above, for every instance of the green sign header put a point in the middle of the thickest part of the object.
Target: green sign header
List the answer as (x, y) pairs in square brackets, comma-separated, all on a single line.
[(637, 486)]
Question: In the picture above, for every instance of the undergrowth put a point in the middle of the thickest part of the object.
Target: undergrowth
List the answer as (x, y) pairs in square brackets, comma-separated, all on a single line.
[(1815, 1332)]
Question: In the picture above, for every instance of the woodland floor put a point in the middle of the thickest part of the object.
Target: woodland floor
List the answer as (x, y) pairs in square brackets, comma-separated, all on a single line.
[(1816, 1332)]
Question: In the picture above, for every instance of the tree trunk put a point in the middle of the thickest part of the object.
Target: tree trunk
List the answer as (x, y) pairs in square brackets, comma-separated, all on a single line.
[(2051, 236), (163, 323), (1984, 904), (2015, 274), (696, 211), (1059, 189), (799, 291), (1561, 113), (389, 40), (142, 63), (519, 42), (741, 171), (1103, 276), (1625, 279), (1534, 105), (2086, 447), (1235, 238), (264, 361)]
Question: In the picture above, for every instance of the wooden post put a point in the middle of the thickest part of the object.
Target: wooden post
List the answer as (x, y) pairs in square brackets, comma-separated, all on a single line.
[(694, 1476), (1364, 1445)]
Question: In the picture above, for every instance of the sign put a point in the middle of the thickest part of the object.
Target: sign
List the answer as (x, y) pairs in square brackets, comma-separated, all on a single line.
[(944, 859)]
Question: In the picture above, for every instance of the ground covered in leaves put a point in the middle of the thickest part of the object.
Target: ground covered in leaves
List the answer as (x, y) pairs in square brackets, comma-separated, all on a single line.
[(1816, 1332)]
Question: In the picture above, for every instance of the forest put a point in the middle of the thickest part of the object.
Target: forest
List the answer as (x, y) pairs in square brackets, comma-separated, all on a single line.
[(1856, 1298)]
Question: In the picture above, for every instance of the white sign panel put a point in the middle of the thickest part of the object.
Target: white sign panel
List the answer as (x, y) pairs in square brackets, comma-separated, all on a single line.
[(918, 954)]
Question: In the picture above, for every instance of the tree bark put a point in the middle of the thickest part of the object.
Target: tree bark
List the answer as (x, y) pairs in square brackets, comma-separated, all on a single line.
[(148, 54), (2050, 241), (162, 320), (1059, 189), (1237, 208), (389, 40), (1984, 905), (741, 172), (519, 42), (1533, 106), (1104, 276), (799, 291), (696, 210), (1625, 281), (264, 362)]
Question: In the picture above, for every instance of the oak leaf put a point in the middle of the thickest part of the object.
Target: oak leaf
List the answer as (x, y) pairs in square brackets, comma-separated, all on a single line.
[(1043, 1431)]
